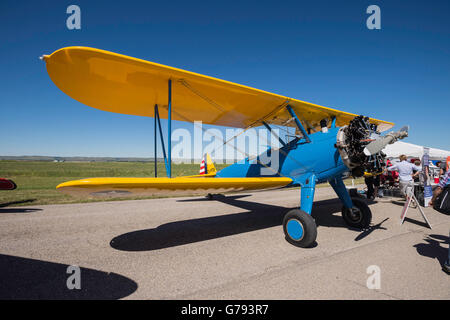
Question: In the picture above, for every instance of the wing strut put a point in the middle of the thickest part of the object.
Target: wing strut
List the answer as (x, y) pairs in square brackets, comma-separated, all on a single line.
[(168, 158), (299, 124), (158, 124), (275, 135), (169, 129), (155, 142)]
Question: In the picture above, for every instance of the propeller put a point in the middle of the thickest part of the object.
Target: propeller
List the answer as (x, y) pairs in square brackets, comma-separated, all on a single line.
[(379, 144)]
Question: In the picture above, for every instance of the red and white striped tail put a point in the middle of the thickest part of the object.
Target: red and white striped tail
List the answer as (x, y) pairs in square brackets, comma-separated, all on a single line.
[(203, 167)]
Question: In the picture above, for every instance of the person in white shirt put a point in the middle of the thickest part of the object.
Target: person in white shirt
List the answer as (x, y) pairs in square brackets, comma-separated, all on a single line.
[(405, 172)]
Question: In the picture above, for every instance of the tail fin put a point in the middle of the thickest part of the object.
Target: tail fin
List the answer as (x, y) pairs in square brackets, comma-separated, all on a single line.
[(207, 167), (210, 165)]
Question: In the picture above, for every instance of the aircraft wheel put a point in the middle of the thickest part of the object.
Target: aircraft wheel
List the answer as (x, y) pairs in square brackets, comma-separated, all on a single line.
[(299, 228), (359, 216)]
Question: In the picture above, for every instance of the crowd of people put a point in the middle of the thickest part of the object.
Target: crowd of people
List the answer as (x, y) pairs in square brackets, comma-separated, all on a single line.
[(400, 175), (392, 175), (404, 174)]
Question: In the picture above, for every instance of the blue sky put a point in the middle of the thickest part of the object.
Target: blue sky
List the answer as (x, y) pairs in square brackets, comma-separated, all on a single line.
[(316, 51)]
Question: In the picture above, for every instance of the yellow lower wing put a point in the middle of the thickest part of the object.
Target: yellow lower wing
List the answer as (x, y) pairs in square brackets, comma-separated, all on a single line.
[(126, 187)]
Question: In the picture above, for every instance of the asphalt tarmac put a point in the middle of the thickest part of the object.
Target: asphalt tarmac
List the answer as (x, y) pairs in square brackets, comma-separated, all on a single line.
[(229, 248)]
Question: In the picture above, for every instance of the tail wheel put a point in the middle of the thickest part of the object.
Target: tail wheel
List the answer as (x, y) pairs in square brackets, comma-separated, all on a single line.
[(299, 228), (359, 216)]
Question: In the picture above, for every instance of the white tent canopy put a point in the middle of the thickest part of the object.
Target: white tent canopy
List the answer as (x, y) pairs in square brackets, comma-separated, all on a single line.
[(413, 151)]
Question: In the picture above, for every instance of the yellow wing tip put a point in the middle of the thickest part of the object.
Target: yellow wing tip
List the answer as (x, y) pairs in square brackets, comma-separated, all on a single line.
[(78, 183), (64, 184), (68, 184)]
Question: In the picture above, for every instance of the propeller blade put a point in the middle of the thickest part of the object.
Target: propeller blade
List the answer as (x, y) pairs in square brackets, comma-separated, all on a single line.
[(379, 144), (404, 129)]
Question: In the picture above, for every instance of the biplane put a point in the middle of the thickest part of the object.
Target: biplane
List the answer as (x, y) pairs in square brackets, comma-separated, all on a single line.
[(328, 143)]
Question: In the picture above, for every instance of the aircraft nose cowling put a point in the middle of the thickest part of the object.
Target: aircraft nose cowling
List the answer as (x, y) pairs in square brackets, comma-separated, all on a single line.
[(360, 145)]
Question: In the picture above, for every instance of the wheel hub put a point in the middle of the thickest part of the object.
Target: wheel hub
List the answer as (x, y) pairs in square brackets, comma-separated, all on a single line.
[(295, 229), (354, 214)]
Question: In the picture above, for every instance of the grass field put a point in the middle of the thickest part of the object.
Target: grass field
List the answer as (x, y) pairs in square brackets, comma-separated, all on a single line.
[(37, 180)]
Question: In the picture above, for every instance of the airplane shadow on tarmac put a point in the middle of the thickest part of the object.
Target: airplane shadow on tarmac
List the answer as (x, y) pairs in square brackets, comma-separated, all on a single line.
[(6, 204), (18, 210), (23, 278), (256, 217), (3, 206)]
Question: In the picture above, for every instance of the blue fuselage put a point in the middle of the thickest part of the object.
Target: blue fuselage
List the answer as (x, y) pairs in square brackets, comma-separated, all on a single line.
[(297, 160)]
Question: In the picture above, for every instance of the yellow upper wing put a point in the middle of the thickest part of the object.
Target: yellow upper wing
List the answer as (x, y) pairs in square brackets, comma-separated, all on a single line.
[(118, 83)]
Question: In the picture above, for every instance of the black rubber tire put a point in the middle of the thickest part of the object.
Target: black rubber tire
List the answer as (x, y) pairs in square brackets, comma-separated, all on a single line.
[(359, 218), (308, 224)]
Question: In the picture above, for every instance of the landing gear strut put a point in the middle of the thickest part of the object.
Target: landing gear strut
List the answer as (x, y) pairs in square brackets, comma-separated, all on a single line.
[(356, 212)]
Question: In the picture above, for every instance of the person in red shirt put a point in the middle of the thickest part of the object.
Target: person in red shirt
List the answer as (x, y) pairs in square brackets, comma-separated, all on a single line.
[(390, 176)]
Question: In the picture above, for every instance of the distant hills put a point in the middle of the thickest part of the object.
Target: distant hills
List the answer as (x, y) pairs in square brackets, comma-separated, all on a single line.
[(78, 159), (92, 159)]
